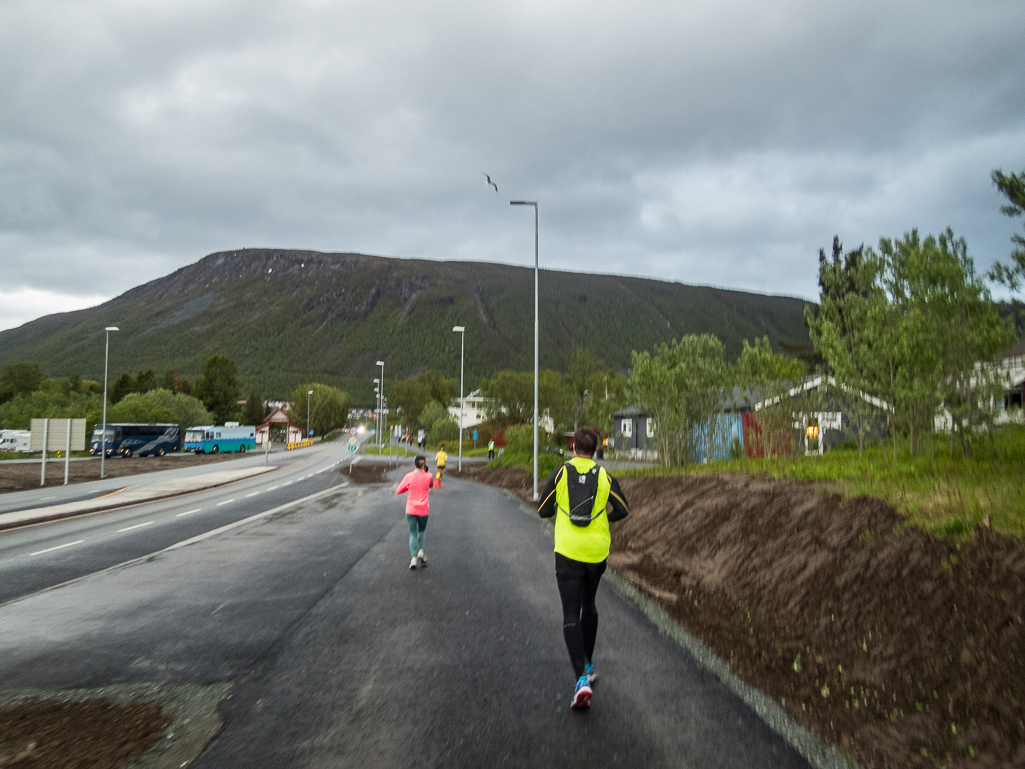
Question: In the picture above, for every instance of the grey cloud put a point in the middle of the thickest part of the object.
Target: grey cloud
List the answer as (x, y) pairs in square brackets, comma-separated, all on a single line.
[(708, 142)]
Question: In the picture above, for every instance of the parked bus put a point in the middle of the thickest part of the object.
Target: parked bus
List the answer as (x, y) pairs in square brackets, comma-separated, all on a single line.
[(128, 439), (215, 438)]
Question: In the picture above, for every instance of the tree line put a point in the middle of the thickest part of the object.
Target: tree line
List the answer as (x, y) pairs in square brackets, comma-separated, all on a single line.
[(26, 392)]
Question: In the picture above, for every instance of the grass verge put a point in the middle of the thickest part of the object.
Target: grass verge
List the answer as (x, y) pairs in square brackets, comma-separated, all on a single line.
[(946, 496)]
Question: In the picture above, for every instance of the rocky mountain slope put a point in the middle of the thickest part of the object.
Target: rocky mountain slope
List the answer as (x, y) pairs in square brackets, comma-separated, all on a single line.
[(287, 317)]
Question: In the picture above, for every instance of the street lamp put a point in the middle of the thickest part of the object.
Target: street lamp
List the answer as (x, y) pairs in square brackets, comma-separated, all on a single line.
[(106, 359), (462, 347), (377, 409), (309, 394), (384, 422), (533, 203)]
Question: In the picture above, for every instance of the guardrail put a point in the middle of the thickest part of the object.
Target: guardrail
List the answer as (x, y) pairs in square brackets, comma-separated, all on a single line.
[(298, 445)]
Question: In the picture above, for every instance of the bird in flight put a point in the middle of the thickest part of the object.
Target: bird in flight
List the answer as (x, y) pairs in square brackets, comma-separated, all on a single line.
[(490, 182)]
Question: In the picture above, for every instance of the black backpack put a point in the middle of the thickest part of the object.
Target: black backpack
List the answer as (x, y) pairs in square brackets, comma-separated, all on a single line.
[(583, 488)]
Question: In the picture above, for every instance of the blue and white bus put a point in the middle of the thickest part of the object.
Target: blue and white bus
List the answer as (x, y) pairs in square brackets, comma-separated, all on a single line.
[(216, 438), (128, 438)]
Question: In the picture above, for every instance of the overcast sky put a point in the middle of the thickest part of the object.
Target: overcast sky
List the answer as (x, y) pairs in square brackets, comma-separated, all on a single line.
[(716, 142)]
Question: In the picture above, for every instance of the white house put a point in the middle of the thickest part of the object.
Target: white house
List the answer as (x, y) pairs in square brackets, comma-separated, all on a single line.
[(473, 410)]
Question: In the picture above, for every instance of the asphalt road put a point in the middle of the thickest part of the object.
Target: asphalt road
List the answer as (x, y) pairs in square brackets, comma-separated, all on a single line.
[(340, 655)]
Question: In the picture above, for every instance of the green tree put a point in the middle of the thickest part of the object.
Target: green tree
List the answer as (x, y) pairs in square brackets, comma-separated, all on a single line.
[(945, 309), (444, 429), (121, 387), (185, 411), (19, 378), (841, 331), (431, 413), (218, 388), (135, 407), (145, 381), (509, 397), (584, 369), (441, 389), (768, 377), (254, 411), (681, 385), (176, 383), (409, 397), (1012, 187), (329, 407), (18, 413)]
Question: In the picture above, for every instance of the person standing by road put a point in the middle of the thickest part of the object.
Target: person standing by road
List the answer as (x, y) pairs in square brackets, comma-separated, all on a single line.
[(417, 484), (584, 498), (440, 459), (491, 449)]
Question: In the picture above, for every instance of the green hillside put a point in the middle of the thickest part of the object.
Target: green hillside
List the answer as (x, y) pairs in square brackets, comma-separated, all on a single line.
[(288, 317)]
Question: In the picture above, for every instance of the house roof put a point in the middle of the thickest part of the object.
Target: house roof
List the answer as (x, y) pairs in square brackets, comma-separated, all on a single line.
[(822, 380), (629, 411)]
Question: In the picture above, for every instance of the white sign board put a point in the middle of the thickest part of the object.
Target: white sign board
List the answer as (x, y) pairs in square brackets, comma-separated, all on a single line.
[(57, 434)]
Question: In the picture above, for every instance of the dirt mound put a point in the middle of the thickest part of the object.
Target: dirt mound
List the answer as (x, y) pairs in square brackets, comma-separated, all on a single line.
[(516, 481), (902, 650), (364, 473), (80, 735)]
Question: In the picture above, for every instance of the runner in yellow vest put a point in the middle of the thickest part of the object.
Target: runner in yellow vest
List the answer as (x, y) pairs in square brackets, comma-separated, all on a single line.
[(440, 459), (582, 543)]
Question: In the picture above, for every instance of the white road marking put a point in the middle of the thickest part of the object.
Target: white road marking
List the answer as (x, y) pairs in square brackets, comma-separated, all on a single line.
[(136, 526), (225, 502), (272, 488), (188, 512), (59, 547), (287, 483), (253, 494)]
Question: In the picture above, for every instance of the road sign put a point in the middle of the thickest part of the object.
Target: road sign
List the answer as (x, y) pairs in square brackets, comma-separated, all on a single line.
[(57, 434), (353, 432), (353, 447), (475, 435)]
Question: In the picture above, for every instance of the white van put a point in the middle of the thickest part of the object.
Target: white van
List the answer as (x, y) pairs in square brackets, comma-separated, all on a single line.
[(15, 440)]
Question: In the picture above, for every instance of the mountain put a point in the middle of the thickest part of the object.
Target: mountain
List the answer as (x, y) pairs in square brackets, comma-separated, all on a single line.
[(287, 317)]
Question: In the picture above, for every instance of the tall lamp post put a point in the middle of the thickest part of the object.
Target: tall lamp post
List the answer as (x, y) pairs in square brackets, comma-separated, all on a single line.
[(377, 410), (462, 347), (534, 204), (384, 421), (309, 394), (106, 359)]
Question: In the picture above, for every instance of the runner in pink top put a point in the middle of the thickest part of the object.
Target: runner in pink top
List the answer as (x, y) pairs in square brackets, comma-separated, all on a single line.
[(418, 484)]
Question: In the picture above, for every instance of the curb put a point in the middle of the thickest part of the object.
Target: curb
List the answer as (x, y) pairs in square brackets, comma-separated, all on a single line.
[(107, 502)]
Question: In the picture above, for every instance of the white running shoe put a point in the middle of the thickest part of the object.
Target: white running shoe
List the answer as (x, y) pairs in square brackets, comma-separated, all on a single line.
[(421, 557), (412, 563)]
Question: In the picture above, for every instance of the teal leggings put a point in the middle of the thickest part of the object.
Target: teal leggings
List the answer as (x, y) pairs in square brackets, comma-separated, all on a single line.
[(417, 524)]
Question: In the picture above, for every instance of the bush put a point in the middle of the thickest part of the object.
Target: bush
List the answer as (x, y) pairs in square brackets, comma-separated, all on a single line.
[(444, 429), (519, 439)]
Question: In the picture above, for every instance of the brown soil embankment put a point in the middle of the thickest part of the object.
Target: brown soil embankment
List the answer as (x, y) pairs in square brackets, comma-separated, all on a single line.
[(900, 649)]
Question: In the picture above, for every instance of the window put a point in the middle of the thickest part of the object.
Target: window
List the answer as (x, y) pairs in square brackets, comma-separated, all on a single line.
[(649, 428), (627, 428)]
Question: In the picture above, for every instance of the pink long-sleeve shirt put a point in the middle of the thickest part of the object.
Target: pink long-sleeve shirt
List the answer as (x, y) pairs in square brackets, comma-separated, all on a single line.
[(418, 483)]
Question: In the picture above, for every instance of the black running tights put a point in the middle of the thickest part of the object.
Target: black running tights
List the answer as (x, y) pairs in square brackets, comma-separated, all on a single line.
[(578, 585)]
